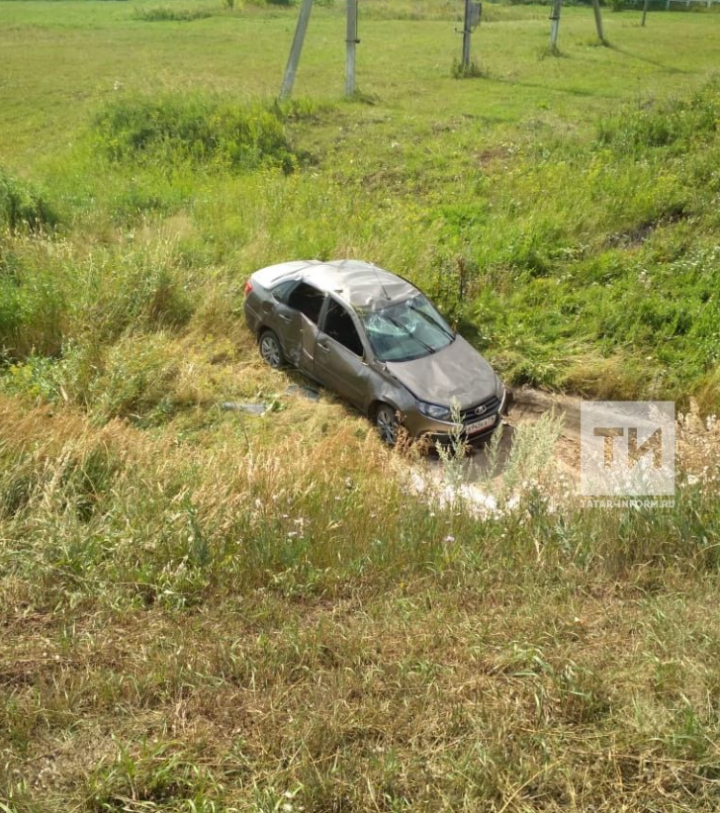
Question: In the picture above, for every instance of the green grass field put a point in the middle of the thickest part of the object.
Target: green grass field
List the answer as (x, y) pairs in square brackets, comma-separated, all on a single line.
[(205, 611)]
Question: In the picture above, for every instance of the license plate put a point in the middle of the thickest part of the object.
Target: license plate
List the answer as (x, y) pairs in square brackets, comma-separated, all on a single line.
[(474, 428)]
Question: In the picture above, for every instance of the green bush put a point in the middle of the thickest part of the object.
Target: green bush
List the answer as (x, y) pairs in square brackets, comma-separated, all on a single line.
[(21, 205), (159, 14), (32, 308), (173, 130), (47, 301), (676, 122)]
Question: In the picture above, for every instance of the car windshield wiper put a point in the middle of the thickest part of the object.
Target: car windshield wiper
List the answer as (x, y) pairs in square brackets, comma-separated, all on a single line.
[(410, 334)]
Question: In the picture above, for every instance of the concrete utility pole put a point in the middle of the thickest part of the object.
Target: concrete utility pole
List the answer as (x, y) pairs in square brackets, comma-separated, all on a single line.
[(467, 34), (296, 49), (351, 41), (645, 11), (555, 24), (599, 20)]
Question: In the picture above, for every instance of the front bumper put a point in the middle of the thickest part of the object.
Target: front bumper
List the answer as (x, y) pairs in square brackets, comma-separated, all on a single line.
[(421, 427)]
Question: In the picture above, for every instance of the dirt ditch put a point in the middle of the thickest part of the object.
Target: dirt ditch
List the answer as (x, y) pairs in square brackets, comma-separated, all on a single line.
[(478, 478)]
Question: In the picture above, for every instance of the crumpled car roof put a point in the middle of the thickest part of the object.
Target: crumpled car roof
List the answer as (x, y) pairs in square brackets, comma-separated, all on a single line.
[(361, 285)]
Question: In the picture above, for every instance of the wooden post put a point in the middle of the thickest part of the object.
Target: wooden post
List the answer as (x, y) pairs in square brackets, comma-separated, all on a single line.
[(645, 11), (555, 24), (296, 49), (598, 20), (351, 41)]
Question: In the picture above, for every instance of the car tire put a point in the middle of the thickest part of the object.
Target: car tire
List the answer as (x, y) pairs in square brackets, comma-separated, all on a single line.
[(387, 424), (271, 350)]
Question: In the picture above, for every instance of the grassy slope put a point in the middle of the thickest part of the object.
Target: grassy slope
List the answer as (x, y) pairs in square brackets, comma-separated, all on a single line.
[(197, 616), (190, 622)]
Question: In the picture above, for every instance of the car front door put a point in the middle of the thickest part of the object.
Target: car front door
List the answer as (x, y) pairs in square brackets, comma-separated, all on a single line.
[(339, 355)]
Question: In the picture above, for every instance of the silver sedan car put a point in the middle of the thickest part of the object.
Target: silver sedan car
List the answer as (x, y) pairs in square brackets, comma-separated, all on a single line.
[(377, 341)]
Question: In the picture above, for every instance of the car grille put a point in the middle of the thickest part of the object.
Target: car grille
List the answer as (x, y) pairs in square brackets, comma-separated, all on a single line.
[(470, 415)]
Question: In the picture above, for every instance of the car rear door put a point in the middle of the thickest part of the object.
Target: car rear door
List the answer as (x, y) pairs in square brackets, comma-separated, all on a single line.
[(339, 354), (308, 343), (282, 319), (296, 312)]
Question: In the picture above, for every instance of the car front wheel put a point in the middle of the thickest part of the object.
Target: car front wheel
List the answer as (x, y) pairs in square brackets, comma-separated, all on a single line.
[(387, 424), (271, 351)]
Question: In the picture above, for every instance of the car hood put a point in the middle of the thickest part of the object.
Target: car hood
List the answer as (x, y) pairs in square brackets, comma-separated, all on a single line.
[(455, 373)]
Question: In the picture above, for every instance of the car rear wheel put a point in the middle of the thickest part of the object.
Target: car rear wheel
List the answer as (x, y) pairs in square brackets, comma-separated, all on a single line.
[(271, 351), (387, 424)]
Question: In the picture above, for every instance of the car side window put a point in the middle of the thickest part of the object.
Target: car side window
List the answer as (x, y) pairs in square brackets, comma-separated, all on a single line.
[(282, 291), (307, 300), (340, 326)]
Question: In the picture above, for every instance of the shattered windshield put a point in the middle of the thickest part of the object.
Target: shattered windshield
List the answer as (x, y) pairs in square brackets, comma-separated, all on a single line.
[(408, 330)]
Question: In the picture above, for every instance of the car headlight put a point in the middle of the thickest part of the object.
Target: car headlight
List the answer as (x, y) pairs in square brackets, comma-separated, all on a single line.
[(439, 413), (499, 387)]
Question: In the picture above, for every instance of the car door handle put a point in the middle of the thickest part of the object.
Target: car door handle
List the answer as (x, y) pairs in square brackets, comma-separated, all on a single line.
[(284, 318), (323, 347)]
